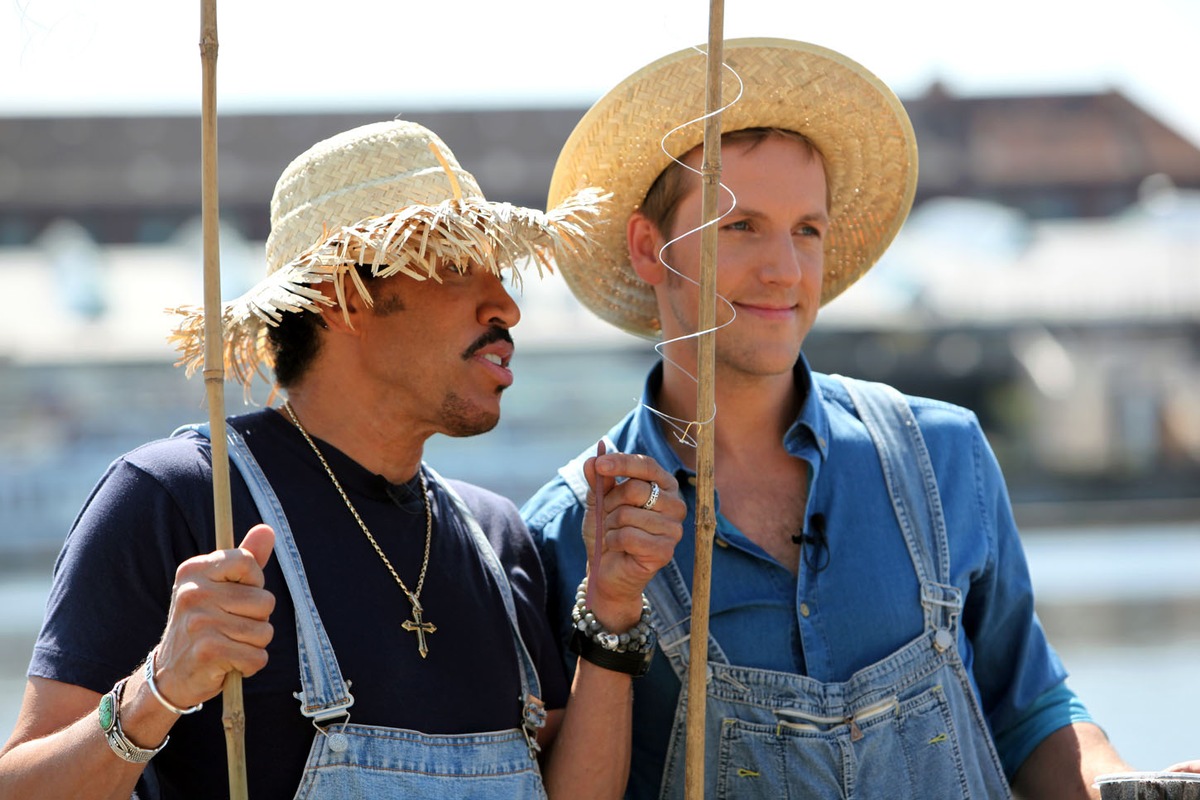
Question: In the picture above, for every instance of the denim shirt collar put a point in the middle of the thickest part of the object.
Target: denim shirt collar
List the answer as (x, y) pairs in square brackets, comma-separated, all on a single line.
[(811, 428), (806, 438)]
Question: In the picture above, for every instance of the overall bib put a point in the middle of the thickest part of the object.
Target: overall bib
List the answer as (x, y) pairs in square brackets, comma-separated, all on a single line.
[(908, 726), (371, 762)]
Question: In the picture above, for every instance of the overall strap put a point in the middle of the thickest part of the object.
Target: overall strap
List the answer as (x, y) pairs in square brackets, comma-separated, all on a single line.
[(324, 694), (670, 600), (671, 611), (533, 712), (912, 486)]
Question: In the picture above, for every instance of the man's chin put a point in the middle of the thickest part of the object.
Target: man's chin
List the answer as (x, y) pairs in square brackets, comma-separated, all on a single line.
[(461, 417), (473, 429)]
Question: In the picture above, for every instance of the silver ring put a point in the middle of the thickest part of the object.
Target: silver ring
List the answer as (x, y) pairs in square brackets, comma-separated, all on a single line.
[(653, 498)]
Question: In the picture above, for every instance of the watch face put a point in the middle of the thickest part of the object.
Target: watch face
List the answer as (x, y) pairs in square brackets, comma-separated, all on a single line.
[(108, 711)]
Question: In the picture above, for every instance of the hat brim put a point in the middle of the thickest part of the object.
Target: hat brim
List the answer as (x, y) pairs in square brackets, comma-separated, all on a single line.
[(857, 123), (415, 241)]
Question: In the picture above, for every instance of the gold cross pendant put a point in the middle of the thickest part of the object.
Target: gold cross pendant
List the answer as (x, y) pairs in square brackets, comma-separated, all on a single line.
[(419, 627)]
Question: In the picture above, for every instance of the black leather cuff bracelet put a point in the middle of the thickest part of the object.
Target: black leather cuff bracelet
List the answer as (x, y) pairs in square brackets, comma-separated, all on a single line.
[(630, 662)]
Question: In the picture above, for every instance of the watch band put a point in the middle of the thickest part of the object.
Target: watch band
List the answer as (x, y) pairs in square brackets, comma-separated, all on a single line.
[(630, 662), (109, 715)]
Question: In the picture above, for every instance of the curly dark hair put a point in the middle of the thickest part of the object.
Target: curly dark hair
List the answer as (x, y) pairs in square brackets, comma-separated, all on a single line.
[(293, 344)]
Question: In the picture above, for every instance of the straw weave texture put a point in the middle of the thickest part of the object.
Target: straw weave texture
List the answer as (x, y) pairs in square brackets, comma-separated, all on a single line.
[(366, 172), (856, 122)]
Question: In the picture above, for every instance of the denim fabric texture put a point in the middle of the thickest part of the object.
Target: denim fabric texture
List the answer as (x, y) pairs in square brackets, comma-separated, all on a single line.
[(906, 727)]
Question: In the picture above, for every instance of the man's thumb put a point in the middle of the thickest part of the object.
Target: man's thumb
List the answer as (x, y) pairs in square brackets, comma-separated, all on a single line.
[(260, 541)]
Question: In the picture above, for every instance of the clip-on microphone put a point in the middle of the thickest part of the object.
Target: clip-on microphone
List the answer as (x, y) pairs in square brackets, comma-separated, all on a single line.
[(817, 538)]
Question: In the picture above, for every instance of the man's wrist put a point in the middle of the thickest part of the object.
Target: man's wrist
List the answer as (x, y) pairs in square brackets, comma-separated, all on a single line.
[(630, 662), (150, 668), (109, 717), (629, 651), (616, 615)]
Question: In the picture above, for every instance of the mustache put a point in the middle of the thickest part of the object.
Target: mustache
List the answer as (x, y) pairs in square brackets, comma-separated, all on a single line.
[(492, 334)]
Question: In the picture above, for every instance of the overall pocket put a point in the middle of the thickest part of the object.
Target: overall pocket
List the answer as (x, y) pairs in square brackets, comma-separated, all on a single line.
[(931, 751), (901, 749), (776, 761)]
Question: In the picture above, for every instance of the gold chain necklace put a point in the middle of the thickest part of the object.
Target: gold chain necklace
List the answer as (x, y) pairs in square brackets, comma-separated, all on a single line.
[(416, 624)]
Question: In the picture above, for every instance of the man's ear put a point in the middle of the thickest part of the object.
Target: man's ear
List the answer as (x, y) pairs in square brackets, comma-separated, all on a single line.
[(644, 242), (338, 318)]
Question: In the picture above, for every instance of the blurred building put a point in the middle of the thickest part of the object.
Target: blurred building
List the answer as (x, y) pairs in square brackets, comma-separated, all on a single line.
[(1050, 156), (137, 179)]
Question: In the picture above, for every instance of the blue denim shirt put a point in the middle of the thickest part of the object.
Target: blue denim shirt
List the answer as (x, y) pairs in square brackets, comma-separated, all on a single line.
[(861, 605)]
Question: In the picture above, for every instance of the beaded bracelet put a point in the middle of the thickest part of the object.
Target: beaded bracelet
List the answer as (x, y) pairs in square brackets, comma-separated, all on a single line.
[(167, 704), (638, 639), (628, 652)]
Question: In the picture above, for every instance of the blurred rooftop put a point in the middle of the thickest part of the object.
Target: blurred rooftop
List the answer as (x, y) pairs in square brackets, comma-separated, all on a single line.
[(137, 178)]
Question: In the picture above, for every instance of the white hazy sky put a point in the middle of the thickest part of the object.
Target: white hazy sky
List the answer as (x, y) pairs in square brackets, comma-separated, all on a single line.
[(141, 56)]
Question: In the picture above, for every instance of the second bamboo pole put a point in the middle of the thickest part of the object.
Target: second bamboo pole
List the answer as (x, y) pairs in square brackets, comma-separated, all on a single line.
[(706, 517)]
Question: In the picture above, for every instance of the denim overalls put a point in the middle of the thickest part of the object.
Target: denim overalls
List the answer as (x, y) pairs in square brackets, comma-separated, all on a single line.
[(908, 726), (369, 762)]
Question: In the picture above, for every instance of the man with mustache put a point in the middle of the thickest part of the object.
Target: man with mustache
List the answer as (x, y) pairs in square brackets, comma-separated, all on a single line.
[(395, 645)]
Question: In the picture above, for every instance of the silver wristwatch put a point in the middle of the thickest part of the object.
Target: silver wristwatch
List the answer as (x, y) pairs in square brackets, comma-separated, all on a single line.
[(109, 714)]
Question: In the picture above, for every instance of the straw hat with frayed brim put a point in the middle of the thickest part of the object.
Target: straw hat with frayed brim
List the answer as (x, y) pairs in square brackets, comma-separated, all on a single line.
[(390, 195), (858, 124)]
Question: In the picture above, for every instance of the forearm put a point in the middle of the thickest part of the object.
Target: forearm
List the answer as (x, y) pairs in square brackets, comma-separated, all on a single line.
[(590, 754), (218, 623), (58, 749), (642, 522), (74, 762), (1065, 764)]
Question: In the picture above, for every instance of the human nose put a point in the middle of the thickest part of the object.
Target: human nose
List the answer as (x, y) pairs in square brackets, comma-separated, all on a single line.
[(497, 306), (782, 262)]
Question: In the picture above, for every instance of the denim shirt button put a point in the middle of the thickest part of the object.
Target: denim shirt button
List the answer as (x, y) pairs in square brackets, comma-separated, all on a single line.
[(804, 610)]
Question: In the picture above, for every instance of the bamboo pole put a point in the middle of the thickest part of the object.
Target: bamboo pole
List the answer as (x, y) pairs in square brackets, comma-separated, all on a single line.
[(233, 716), (706, 517)]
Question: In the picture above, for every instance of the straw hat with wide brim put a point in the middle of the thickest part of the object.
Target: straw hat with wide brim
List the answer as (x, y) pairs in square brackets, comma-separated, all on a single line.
[(390, 195), (858, 124)]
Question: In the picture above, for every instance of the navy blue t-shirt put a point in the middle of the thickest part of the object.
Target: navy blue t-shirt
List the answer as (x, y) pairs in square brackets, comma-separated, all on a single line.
[(153, 509)]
